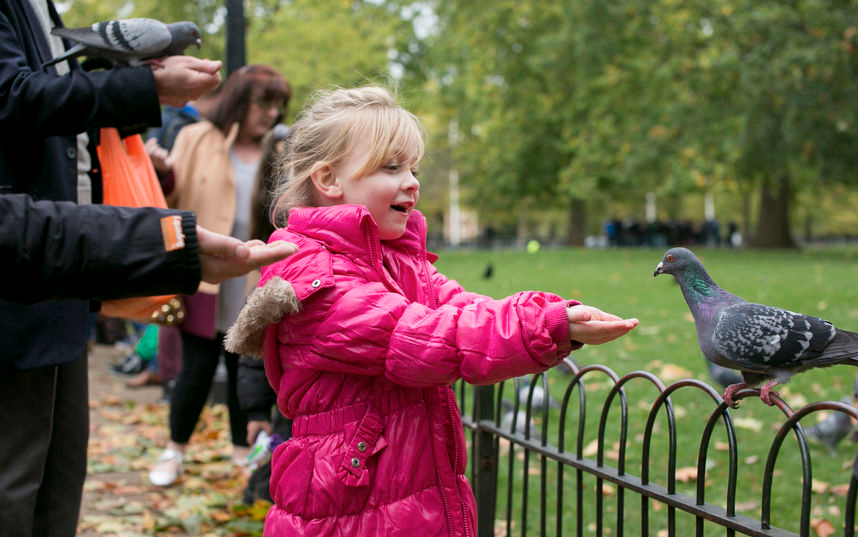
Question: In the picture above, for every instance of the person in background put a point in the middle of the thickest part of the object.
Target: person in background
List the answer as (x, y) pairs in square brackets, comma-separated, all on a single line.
[(254, 393), (50, 119), (214, 165), (167, 362)]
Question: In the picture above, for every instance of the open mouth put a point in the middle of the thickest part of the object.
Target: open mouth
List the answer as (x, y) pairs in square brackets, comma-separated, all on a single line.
[(400, 208)]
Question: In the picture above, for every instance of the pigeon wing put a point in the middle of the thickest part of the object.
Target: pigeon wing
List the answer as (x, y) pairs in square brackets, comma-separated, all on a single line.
[(143, 36), (87, 37), (759, 337), (134, 37)]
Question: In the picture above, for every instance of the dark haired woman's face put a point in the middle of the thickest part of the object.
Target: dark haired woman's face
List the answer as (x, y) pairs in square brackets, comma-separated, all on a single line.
[(260, 116)]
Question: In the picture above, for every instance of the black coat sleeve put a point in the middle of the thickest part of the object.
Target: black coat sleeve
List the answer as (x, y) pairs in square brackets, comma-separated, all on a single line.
[(37, 102), (53, 250), (255, 395)]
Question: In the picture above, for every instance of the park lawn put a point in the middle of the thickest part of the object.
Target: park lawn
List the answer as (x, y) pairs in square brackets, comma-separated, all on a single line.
[(822, 282)]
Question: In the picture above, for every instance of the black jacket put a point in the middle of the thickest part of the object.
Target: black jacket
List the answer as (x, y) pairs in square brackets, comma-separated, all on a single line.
[(255, 394), (40, 116), (53, 250)]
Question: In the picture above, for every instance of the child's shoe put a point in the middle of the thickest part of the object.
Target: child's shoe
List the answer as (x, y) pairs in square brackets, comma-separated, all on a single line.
[(168, 469)]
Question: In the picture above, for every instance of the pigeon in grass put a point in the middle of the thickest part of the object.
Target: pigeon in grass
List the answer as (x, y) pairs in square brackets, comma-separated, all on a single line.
[(128, 41), (516, 422), (833, 428), (722, 375), (763, 342)]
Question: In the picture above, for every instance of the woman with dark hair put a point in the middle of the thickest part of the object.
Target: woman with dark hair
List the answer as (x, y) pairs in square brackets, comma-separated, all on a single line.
[(214, 166)]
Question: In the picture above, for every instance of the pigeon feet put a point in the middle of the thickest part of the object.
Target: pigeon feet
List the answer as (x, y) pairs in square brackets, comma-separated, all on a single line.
[(766, 392), (154, 63), (730, 391)]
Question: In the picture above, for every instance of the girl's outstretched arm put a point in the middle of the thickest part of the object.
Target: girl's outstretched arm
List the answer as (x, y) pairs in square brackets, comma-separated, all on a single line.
[(593, 326)]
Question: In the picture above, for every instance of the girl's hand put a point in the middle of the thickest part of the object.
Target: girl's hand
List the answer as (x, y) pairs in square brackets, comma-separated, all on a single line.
[(160, 157), (593, 326)]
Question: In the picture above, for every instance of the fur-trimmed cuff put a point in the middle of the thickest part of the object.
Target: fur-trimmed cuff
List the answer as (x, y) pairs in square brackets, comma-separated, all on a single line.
[(266, 305)]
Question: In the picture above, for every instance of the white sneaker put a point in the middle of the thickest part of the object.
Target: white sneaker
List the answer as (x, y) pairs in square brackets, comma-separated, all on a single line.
[(168, 469)]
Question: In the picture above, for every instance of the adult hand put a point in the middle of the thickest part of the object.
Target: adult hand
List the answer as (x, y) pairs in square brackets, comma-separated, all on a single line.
[(160, 157), (224, 257), (179, 79), (593, 326), (254, 428)]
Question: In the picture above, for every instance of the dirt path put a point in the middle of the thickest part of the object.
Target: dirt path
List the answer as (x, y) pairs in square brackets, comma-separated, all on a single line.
[(128, 427)]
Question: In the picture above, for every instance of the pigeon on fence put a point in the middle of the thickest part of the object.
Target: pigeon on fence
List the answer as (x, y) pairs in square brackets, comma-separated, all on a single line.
[(128, 41), (833, 428), (763, 342)]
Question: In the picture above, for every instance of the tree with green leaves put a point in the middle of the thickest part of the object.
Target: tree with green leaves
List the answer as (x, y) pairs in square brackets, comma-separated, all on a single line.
[(577, 99)]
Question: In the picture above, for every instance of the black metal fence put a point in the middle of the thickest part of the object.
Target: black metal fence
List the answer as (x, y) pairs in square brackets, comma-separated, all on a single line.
[(556, 466)]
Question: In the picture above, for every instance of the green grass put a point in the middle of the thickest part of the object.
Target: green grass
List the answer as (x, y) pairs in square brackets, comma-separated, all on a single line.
[(822, 282)]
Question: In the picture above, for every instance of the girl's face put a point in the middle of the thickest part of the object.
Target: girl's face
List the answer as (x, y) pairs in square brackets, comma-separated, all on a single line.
[(389, 192)]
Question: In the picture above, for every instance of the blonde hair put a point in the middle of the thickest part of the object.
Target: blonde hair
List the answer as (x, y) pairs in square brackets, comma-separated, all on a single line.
[(331, 127)]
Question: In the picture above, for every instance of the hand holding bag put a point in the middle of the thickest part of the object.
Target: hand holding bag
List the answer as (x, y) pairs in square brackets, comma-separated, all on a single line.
[(130, 181)]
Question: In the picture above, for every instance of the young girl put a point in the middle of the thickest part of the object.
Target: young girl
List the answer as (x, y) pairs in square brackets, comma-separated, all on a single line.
[(364, 344)]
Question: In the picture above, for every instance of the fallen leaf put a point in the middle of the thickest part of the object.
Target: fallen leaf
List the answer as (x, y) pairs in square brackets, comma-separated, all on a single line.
[(748, 423), (686, 474), (259, 509), (819, 487), (840, 490), (822, 526), (747, 506), (220, 516), (672, 372), (591, 449)]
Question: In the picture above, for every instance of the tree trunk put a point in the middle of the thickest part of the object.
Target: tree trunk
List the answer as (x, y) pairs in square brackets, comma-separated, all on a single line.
[(773, 230), (577, 222)]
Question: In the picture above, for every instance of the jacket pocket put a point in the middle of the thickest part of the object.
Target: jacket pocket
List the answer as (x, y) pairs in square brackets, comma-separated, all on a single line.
[(363, 440)]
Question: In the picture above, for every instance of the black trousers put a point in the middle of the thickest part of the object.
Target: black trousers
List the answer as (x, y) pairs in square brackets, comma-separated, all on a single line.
[(199, 361), (44, 416)]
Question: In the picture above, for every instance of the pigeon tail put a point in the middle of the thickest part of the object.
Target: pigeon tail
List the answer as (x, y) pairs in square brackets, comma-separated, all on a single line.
[(843, 347), (70, 53)]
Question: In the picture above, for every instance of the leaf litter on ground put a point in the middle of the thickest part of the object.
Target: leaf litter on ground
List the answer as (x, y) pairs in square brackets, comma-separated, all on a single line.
[(125, 441)]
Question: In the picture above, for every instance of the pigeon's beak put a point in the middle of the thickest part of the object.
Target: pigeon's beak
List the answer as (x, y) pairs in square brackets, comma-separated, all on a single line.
[(658, 269), (198, 42)]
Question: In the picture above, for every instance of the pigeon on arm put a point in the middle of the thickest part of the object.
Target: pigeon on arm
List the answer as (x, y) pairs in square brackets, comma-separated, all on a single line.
[(762, 342), (128, 41)]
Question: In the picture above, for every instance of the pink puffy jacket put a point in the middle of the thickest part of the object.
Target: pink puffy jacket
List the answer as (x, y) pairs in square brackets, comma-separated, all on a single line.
[(365, 367)]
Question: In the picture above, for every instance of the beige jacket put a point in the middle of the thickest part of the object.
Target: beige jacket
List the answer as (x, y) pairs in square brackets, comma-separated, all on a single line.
[(205, 183)]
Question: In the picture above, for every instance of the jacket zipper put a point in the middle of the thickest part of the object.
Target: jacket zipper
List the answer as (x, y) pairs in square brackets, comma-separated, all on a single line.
[(438, 480), (450, 410)]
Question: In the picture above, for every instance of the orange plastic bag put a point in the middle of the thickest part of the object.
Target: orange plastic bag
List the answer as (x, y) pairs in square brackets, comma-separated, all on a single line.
[(129, 180)]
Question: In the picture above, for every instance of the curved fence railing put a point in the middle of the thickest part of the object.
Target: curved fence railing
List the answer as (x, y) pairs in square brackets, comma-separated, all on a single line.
[(524, 442)]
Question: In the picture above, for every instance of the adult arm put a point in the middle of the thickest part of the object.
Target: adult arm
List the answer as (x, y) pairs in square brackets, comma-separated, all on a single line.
[(40, 102), (35, 101), (54, 250)]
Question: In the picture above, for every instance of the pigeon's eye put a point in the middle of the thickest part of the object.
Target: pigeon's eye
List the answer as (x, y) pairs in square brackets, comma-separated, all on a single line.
[(670, 259)]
